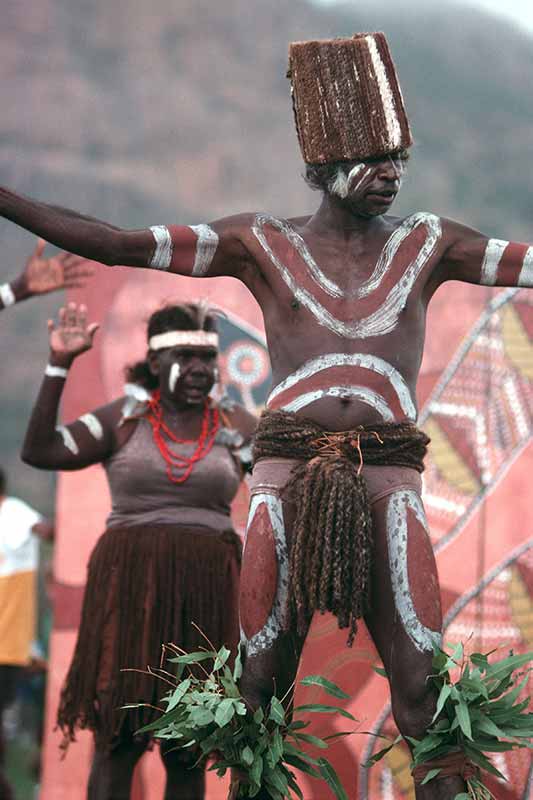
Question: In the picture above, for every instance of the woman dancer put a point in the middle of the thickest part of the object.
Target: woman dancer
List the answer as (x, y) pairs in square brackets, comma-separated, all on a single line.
[(169, 555)]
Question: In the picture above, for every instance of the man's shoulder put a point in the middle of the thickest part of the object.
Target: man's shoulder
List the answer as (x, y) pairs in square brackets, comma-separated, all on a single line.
[(250, 219)]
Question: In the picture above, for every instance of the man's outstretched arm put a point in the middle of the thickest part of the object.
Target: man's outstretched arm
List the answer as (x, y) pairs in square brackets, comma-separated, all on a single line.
[(473, 257), (198, 250)]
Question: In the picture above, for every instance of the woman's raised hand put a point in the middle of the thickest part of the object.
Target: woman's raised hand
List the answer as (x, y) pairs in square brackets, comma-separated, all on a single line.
[(72, 335)]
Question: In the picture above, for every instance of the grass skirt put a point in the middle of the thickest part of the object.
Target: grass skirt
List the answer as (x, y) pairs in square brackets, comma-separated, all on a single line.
[(145, 586)]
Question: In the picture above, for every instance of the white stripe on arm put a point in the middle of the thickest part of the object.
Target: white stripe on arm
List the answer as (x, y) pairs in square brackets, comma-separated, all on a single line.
[(206, 247), (68, 439), (94, 425), (7, 295), (491, 261), (162, 256), (525, 277)]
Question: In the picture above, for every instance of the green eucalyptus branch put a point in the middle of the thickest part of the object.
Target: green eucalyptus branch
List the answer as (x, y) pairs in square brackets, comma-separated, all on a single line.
[(479, 713), (205, 710)]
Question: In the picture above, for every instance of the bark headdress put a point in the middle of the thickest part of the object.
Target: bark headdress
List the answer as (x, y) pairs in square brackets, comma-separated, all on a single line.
[(347, 100)]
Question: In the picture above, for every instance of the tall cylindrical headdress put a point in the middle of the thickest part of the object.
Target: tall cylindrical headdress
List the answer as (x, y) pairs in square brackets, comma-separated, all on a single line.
[(347, 100)]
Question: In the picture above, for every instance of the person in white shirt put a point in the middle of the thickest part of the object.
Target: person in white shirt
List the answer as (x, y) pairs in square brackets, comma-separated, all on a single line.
[(20, 529)]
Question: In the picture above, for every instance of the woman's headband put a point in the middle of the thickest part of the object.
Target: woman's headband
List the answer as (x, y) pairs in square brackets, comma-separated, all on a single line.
[(183, 339)]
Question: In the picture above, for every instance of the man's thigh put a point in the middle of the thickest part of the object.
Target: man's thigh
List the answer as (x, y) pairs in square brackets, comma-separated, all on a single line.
[(405, 617), (272, 649)]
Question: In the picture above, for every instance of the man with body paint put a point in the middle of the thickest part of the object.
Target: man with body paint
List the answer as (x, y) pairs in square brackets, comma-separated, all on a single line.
[(43, 275), (344, 294)]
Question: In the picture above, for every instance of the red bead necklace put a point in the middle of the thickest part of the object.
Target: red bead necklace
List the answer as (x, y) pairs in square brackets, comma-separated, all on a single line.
[(175, 462)]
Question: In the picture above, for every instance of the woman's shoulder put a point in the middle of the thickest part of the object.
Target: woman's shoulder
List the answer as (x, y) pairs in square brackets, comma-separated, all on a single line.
[(237, 429), (236, 417)]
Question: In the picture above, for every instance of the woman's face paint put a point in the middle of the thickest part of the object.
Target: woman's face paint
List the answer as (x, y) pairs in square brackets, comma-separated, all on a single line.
[(173, 377), (186, 374)]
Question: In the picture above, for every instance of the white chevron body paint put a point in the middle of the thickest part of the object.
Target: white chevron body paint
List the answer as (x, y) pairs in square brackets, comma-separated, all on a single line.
[(367, 396), (385, 318), (275, 622), (206, 247), (163, 247), (365, 360), (389, 106), (491, 261), (525, 278), (68, 439), (93, 425), (397, 538)]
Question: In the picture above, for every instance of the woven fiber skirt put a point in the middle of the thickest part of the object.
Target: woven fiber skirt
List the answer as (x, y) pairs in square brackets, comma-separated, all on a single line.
[(145, 586)]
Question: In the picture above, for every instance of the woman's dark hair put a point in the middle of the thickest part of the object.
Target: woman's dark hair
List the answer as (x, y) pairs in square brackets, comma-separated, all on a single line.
[(186, 317), (321, 176), (3, 481)]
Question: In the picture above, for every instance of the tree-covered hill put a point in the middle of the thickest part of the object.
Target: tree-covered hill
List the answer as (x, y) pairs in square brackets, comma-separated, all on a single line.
[(182, 113)]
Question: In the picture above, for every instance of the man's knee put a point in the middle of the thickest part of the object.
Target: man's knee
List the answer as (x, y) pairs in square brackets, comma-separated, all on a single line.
[(256, 688), (175, 757), (413, 702)]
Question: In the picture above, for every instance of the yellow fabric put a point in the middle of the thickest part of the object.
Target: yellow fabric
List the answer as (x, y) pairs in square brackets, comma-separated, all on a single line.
[(17, 617)]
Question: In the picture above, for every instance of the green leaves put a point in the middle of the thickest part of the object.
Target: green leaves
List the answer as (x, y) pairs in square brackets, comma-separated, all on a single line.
[(328, 686), (480, 713), (429, 777), (381, 753), (277, 712), (225, 712), (205, 710), (324, 709), (332, 779)]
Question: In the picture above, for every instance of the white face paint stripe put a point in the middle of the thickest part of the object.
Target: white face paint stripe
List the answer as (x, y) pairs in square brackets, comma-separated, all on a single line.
[(341, 185), (163, 247), (173, 376), (384, 319), (397, 536), (491, 261), (366, 396), (351, 176), (94, 425), (374, 363), (206, 247), (68, 439), (525, 277), (274, 624), (387, 98)]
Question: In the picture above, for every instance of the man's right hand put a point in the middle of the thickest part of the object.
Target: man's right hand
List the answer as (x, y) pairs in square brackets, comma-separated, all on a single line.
[(43, 275), (71, 336)]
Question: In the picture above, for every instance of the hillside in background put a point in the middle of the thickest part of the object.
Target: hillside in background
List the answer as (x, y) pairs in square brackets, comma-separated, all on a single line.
[(184, 115)]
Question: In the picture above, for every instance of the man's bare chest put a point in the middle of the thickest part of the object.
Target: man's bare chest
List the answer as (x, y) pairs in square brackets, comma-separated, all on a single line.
[(355, 293)]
